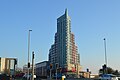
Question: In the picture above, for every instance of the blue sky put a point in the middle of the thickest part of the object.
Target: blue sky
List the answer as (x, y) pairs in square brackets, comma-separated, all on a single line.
[(91, 21)]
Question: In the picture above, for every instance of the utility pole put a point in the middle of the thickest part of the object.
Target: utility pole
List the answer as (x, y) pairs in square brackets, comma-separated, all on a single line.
[(50, 74), (77, 71), (56, 70), (15, 63), (33, 65), (50, 70)]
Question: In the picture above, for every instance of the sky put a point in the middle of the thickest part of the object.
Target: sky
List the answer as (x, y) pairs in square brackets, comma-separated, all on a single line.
[(91, 22)]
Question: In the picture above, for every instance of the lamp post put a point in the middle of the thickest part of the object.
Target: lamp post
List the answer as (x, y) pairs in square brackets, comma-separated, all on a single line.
[(28, 53), (105, 51), (105, 54)]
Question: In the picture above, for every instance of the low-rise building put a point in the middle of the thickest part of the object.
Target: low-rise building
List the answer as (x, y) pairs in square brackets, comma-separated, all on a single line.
[(25, 69), (84, 74), (7, 65), (41, 69)]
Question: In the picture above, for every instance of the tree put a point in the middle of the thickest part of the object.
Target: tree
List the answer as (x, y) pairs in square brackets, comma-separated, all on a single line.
[(109, 70), (116, 72)]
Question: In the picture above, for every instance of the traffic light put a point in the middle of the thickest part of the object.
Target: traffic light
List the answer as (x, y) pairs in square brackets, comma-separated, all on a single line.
[(104, 69), (15, 61), (56, 65), (60, 69), (28, 64), (33, 55), (51, 66), (87, 70), (104, 66)]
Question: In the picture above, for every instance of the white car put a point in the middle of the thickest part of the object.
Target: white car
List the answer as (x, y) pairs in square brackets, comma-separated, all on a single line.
[(115, 78)]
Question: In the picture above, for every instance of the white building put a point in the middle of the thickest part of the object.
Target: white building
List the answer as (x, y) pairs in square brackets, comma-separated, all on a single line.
[(8, 65)]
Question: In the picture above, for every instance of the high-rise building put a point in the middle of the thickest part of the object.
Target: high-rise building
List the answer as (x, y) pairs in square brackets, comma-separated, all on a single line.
[(64, 51)]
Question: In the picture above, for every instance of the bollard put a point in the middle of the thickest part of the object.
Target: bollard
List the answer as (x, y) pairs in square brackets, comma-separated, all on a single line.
[(63, 77)]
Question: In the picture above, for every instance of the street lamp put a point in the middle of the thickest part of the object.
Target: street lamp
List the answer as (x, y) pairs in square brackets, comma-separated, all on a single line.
[(105, 51), (105, 55), (28, 53)]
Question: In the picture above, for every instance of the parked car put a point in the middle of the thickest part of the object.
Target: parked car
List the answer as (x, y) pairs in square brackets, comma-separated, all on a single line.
[(4, 77), (19, 75)]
